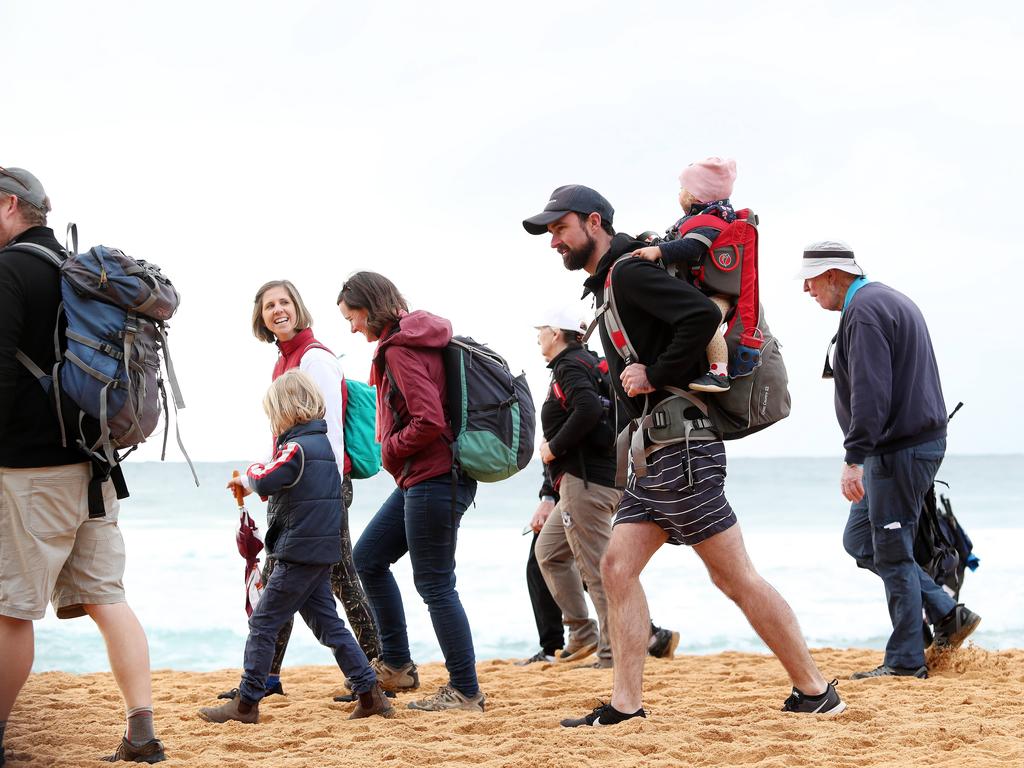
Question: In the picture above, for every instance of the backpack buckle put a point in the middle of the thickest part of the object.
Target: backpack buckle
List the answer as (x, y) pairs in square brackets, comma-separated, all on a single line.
[(659, 419)]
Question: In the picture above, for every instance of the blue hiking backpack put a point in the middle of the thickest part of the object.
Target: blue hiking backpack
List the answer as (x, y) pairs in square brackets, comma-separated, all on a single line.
[(106, 386)]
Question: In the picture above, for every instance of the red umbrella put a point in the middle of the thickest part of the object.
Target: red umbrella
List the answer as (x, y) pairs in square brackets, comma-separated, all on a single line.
[(250, 544)]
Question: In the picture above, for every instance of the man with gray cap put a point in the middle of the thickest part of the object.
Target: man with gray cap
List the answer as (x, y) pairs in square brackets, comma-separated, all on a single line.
[(890, 407), (681, 499), (52, 550)]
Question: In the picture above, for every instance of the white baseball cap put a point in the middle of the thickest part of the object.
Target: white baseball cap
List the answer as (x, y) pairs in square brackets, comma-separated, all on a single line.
[(563, 318)]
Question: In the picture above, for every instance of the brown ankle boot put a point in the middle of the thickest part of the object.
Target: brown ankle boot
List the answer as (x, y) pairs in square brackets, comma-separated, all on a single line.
[(230, 711), (379, 706)]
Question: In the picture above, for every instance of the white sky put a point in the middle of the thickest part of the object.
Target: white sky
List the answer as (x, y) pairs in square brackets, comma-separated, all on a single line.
[(236, 142)]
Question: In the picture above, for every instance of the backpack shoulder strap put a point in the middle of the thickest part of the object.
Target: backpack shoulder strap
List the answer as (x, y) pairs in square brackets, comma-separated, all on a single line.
[(47, 254), (613, 322)]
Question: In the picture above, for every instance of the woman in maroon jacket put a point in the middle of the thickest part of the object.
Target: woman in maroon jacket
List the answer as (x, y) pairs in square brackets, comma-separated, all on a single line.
[(422, 516)]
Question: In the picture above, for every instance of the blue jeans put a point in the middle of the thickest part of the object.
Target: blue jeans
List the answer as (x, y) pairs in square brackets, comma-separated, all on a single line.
[(306, 589), (420, 521), (880, 536)]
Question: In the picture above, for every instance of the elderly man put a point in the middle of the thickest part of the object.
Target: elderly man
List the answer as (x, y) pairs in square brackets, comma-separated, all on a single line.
[(53, 551), (681, 500), (890, 407)]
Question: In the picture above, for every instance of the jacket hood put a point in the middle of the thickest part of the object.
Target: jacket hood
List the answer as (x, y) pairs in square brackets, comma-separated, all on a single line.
[(621, 245), (417, 329)]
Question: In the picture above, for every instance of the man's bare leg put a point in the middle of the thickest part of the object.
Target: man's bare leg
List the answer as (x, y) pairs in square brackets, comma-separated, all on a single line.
[(768, 613), (127, 650), (17, 649), (629, 551)]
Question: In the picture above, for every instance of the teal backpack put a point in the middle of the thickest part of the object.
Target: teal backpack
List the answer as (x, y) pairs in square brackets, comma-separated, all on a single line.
[(362, 451)]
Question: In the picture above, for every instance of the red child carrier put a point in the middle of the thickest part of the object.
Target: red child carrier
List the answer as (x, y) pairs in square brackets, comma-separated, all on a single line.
[(730, 268)]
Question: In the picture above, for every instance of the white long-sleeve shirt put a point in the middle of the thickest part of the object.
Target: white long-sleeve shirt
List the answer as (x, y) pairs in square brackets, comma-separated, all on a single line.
[(325, 369)]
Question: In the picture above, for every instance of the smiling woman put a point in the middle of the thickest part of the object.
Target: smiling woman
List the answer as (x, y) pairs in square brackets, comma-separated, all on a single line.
[(280, 317)]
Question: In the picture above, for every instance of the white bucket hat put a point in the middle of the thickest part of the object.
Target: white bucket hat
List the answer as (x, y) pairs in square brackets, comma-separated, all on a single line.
[(824, 255)]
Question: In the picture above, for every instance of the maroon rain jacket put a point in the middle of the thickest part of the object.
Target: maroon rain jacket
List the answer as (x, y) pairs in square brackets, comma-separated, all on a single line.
[(412, 409)]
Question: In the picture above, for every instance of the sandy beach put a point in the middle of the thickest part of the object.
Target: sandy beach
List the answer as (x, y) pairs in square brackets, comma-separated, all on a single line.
[(720, 710)]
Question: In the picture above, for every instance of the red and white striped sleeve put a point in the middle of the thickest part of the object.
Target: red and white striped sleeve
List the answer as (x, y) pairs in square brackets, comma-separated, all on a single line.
[(281, 472)]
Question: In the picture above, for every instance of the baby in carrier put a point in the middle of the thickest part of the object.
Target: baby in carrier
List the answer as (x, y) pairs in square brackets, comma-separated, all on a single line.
[(705, 188)]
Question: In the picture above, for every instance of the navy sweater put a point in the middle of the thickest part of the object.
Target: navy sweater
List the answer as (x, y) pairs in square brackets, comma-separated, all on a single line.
[(302, 481), (888, 394)]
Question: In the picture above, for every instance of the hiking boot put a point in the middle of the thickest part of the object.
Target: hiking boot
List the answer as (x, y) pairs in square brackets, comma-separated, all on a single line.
[(348, 698), (884, 671), (150, 752), (603, 714), (230, 711), (404, 678), (539, 656), (827, 703), (380, 706), (663, 643), (951, 632), (711, 382), (275, 689), (575, 652), (449, 698)]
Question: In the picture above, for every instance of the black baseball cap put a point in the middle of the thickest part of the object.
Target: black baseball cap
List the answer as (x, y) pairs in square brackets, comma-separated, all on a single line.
[(572, 197)]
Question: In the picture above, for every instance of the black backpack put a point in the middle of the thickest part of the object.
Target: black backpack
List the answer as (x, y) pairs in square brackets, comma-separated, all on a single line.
[(942, 547)]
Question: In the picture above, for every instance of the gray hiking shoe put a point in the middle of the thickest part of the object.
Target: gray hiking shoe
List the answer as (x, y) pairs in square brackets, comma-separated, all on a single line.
[(404, 678), (449, 698), (884, 671), (711, 382), (951, 632), (150, 752)]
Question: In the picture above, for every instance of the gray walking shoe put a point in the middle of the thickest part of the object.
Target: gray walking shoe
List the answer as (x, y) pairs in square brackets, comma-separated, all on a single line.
[(450, 698)]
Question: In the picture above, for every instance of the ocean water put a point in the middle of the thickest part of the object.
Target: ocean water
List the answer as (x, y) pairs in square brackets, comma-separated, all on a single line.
[(184, 574)]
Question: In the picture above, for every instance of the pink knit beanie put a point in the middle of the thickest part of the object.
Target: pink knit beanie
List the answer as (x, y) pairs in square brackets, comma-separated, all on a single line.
[(710, 179)]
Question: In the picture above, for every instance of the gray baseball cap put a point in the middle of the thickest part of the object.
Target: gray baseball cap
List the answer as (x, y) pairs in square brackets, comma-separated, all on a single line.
[(24, 186), (572, 197)]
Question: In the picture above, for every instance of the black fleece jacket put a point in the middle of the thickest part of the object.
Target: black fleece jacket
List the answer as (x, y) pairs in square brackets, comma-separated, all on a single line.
[(668, 321), (29, 297), (577, 428)]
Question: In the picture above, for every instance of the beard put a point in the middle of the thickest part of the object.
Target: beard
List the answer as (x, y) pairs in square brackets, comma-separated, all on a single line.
[(576, 259)]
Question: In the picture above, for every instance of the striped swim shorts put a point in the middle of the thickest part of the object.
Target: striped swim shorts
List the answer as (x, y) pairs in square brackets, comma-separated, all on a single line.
[(688, 514)]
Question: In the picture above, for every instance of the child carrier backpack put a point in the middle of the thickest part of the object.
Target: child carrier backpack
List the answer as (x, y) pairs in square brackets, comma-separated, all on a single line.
[(362, 451), (107, 387), (942, 547), (754, 401), (491, 411)]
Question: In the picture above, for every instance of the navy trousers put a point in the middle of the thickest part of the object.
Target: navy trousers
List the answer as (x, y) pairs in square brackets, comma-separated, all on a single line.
[(305, 589), (880, 536)]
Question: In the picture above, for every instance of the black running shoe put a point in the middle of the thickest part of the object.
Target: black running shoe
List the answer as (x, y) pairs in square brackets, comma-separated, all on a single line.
[(827, 703), (953, 630), (540, 657), (663, 643), (710, 382), (605, 714), (884, 671)]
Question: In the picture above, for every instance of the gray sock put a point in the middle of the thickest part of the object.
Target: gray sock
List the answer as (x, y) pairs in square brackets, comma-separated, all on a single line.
[(140, 726)]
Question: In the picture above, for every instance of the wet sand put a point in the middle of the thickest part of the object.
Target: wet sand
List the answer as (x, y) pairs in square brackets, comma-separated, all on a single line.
[(720, 710)]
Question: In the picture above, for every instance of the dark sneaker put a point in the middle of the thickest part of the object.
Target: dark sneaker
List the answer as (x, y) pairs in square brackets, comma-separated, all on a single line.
[(575, 652), (827, 703), (605, 714), (884, 671), (273, 690), (404, 678), (663, 643), (538, 657), (231, 711), (450, 698), (951, 632), (710, 382), (150, 752), (380, 706)]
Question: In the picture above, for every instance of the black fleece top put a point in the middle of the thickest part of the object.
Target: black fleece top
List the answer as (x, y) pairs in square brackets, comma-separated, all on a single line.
[(668, 321), (888, 393), (29, 297), (577, 430)]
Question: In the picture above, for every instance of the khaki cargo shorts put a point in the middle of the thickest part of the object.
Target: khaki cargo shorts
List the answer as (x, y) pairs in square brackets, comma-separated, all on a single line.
[(49, 548)]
